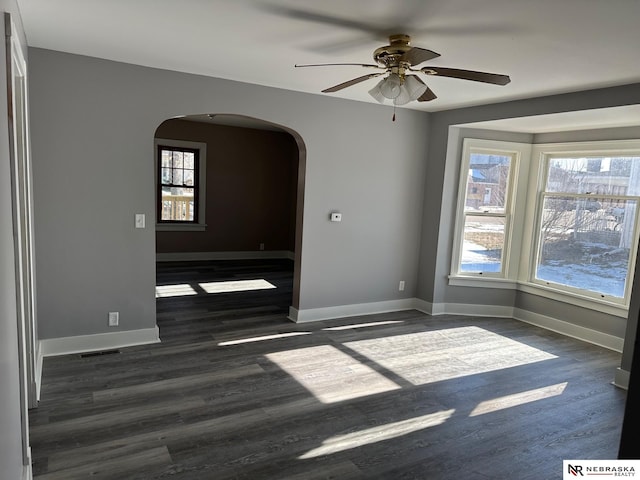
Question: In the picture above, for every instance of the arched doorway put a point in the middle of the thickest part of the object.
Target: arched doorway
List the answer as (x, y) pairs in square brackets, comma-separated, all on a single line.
[(247, 198)]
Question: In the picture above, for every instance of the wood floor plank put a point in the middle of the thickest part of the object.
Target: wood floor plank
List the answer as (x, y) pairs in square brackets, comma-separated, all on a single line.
[(177, 383), (116, 468), (237, 391)]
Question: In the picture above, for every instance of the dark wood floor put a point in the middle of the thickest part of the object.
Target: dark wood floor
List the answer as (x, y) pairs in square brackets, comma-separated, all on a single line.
[(237, 391)]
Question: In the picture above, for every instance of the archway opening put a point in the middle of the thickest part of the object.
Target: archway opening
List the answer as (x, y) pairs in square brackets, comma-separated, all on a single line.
[(229, 210)]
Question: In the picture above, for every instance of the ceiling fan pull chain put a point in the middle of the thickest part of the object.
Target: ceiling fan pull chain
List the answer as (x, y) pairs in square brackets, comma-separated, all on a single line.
[(393, 119)]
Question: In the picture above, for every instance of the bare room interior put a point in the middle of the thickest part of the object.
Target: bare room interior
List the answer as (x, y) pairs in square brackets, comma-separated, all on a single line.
[(277, 239)]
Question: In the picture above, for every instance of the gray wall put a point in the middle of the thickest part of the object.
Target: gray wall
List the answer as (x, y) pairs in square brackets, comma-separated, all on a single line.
[(93, 123), (440, 200), (10, 413)]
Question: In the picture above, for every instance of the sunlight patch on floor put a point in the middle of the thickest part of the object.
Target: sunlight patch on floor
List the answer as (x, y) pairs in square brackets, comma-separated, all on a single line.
[(362, 325), (275, 336), (379, 433), (516, 399), (179, 290), (438, 355), (331, 375), (236, 286)]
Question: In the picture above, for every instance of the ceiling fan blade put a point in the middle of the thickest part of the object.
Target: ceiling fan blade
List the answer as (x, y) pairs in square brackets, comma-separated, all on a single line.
[(418, 55), (428, 93), (427, 96), (485, 77), (340, 86), (322, 18), (368, 65)]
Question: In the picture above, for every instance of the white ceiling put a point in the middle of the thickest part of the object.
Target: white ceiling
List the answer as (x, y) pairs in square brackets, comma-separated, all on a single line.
[(546, 46)]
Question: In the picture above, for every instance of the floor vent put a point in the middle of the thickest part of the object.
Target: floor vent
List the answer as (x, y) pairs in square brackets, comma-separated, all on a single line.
[(97, 354)]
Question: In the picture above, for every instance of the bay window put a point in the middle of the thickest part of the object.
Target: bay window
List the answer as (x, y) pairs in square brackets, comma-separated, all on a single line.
[(558, 220)]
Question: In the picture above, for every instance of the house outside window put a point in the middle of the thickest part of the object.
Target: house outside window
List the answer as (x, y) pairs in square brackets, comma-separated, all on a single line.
[(180, 185)]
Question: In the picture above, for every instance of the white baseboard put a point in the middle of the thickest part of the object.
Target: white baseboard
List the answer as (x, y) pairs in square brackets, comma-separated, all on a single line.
[(560, 326), (50, 347), (243, 255), (622, 378), (499, 311), (341, 311), (27, 470), (570, 329)]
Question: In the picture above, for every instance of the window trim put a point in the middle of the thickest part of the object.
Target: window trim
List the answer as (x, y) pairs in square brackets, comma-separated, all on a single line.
[(199, 223), (519, 155), (526, 200), (539, 165)]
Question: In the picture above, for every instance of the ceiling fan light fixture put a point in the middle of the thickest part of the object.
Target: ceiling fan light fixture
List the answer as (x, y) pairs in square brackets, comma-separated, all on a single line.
[(376, 92), (410, 90), (403, 98), (414, 87), (390, 87)]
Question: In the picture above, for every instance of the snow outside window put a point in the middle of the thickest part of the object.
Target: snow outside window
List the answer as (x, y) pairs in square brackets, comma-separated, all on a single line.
[(587, 223)]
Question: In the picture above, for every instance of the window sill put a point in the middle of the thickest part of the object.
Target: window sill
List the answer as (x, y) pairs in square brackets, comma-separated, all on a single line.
[(482, 282), (176, 227), (584, 301)]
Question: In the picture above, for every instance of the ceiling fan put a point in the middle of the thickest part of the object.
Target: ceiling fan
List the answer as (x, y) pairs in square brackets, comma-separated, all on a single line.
[(398, 61)]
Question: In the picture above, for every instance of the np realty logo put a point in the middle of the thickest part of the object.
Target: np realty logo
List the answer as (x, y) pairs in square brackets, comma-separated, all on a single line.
[(575, 470), (601, 468)]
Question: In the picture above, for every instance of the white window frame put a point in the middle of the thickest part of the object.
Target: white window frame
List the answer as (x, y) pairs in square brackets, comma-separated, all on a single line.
[(519, 153), (537, 176), (199, 224), (524, 232)]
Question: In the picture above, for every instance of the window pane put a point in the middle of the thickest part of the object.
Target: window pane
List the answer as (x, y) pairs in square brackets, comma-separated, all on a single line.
[(177, 160), (188, 177), (487, 182), (177, 204), (595, 175), (178, 177), (189, 158), (166, 158), (166, 176), (483, 244), (586, 246)]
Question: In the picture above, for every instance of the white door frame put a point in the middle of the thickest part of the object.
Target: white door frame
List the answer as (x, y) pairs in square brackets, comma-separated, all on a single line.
[(22, 205)]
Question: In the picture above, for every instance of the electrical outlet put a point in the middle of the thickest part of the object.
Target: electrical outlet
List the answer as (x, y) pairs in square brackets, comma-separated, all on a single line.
[(262, 246), (401, 285), (114, 319)]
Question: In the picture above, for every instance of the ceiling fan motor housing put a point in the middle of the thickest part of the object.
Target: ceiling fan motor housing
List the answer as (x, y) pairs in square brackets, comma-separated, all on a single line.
[(389, 55)]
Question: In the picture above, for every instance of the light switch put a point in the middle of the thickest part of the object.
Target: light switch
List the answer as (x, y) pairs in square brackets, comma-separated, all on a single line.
[(140, 220), (335, 217)]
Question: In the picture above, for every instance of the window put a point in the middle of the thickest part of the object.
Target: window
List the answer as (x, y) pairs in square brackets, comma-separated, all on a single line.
[(566, 227), (178, 184), (485, 209), (586, 223), (180, 173)]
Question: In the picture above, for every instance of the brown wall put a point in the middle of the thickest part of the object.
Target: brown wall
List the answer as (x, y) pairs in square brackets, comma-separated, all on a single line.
[(250, 190)]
